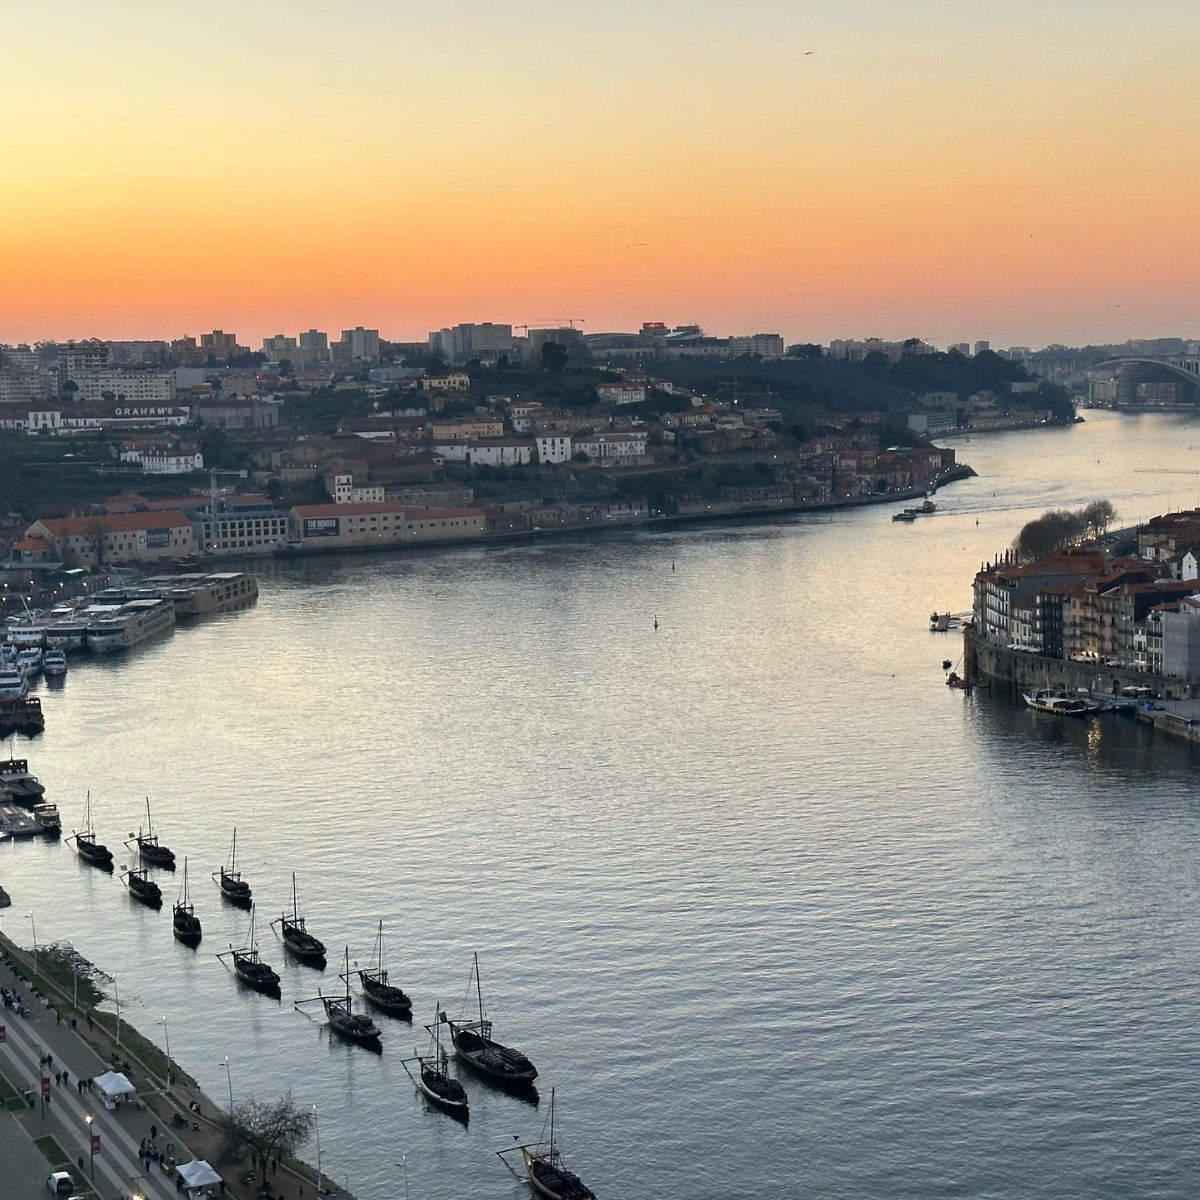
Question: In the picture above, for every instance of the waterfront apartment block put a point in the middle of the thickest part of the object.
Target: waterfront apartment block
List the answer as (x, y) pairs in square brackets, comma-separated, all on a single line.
[(1086, 606)]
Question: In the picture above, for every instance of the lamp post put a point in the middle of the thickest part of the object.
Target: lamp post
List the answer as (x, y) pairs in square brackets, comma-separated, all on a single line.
[(403, 1163), (117, 1002), (35, 953), (317, 1127), (167, 1037), (91, 1143), (74, 977), (229, 1077)]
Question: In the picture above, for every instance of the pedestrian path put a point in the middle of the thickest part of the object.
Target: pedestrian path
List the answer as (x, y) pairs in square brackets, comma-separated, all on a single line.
[(118, 1171)]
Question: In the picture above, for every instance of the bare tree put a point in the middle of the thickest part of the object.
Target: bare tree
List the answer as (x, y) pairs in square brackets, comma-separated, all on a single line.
[(268, 1129), (93, 538)]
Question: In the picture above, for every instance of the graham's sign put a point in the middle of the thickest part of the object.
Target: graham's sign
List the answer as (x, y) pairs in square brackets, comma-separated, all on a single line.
[(145, 412)]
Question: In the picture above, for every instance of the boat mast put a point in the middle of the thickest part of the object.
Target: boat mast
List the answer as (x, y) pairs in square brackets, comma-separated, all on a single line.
[(478, 989), (233, 853), (295, 905)]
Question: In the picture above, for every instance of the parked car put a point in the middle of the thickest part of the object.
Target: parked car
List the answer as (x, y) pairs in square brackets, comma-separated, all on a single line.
[(60, 1183)]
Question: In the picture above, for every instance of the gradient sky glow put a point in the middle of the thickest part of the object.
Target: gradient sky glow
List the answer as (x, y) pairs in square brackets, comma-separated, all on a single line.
[(1024, 172)]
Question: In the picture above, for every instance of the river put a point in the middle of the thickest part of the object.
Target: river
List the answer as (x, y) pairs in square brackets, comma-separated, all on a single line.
[(775, 911)]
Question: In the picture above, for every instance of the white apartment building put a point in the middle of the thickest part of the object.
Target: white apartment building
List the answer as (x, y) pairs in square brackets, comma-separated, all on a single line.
[(767, 345), (621, 393), (157, 460), (360, 345), (499, 452), (615, 449), (483, 340), (312, 349), (553, 448), (128, 387), (456, 381)]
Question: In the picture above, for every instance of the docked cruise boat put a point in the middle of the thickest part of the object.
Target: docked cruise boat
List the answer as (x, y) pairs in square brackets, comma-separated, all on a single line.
[(129, 624), (1061, 704), (13, 683), (194, 595), (19, 783), (54, 662)]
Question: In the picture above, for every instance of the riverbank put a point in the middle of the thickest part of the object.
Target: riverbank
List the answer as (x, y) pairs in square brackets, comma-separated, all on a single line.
[(716, 512), (87, 1042)]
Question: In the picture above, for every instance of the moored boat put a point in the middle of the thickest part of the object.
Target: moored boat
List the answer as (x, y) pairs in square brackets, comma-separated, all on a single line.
[(185, 924), (1061, 704), (545, 1171), (385, 996), (149, 849), (296, 938), (47, 816), (229, 879), (339, 1012), (87, 846), (142, 887), (474, 1044), (433, 1074), (21, 785), (54, 662), (250, 968)]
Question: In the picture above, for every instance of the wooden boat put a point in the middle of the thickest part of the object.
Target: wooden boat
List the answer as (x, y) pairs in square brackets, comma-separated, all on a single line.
[(544, 1169), (474, 1044), (148, 847), (433, 1074), (229, 879), (296, 937), (46, 815), (185, 923), (22, 786), (1062, 705), (142, 887), (386, 997), (339, 1012), (250, 968), (86, 845)]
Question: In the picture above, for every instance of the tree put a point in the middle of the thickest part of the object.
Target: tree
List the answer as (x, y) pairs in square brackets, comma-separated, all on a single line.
[(94, 540), (554, 357), (267, 1129)]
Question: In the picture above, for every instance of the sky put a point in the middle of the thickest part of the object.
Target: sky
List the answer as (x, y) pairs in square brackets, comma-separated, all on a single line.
[(1024, 172)]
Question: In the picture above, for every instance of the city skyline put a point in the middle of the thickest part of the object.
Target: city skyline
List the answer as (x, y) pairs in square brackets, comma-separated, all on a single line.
[(954, 175)]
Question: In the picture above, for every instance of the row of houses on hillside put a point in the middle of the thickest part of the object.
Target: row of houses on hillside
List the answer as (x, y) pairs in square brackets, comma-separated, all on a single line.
[(1138, 612)]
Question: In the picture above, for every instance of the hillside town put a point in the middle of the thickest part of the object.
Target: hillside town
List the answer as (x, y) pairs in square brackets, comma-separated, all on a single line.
[(308, 446), (1109, 615)]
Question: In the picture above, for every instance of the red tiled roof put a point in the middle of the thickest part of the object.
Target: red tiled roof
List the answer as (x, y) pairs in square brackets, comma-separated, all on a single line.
[(114, 523)]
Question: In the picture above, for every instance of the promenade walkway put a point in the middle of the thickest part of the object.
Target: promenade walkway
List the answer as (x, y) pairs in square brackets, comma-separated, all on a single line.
[(86, 1053)]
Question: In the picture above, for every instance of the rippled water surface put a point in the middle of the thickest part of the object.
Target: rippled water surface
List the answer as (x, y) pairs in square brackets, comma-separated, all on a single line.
[(774, 910)]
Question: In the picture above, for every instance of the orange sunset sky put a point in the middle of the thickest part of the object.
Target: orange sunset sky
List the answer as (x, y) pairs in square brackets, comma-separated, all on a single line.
[(1022, 172)]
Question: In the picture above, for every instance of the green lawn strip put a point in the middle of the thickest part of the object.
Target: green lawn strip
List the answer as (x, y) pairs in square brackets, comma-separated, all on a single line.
[(53, 1151), (9, 1097), (58, 1160)]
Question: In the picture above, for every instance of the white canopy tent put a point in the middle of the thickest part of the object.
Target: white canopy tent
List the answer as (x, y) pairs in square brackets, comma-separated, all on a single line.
[(197, 1174), (113, 1084)]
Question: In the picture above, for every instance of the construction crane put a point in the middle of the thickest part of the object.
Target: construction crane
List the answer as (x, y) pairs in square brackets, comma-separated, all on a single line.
[(552, 323)]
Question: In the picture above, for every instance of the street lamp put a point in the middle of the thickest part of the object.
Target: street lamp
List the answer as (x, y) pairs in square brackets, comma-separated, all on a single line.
[(167, 1036), (230, 1078), (317, 1126), (117, 1002), (35, 954), (74, 977), (91, 1143)]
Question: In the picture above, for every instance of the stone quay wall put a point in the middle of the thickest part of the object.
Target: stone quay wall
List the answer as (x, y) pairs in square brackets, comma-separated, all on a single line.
[(1030, 672)]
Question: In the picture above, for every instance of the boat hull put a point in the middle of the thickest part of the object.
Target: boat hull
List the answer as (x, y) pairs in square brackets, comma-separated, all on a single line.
[(234, 890), (458, 1108), (95, 853), (186, 929), (550, 1181), (302, 945), (261, 981), (500, 1064), (151, 899), (383, 1001)]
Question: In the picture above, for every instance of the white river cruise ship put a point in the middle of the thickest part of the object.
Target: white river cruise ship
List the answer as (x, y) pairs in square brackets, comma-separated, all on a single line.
[(129, 624)]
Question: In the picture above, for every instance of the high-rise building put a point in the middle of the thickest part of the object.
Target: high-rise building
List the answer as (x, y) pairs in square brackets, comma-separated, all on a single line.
[(358, 345), (279, 347), (221, 345), (313, 349), (980, 347), (483, 340)]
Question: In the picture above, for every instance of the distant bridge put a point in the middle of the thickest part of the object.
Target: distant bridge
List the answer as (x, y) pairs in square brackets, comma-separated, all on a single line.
[(1186, 366)]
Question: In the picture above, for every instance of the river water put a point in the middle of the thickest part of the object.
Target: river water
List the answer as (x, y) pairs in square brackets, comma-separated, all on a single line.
[(775, 911)]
